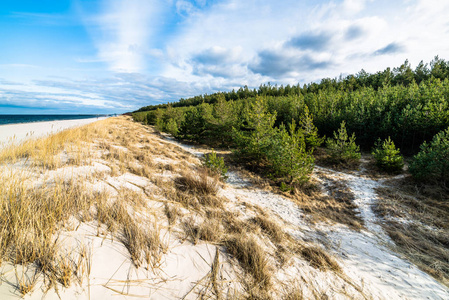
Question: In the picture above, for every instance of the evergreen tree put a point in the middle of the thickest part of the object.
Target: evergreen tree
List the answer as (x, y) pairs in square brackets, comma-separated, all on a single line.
[(193, 126), (224, 118), (255, 140), (387, 156), (343, 148), (312, 139), (172, 127), (431, 164), (288, 155)]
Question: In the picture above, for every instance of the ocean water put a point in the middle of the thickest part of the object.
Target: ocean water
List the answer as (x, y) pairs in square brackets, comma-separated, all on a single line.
[(15, 119)]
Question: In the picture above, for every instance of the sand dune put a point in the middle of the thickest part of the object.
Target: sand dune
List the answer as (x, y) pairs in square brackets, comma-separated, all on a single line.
[(139, 229)]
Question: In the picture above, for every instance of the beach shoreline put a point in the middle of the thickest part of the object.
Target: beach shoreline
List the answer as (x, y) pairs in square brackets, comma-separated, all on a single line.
[(16, 133)]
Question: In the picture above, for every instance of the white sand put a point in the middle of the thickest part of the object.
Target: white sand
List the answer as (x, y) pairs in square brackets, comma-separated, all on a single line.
[(367, 262), (16, 133), (364, 256)]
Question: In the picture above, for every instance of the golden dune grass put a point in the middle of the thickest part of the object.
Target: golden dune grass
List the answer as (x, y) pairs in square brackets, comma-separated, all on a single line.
[(33, 214)]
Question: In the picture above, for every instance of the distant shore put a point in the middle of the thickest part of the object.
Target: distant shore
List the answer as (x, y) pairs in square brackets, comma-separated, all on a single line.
[(16, 133)]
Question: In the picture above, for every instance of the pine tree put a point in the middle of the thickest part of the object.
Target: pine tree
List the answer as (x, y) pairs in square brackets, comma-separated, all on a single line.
[(288, 155), (310, 131), (387, 156), (254, 141), (343, 148), (431, 164), (223, 119)]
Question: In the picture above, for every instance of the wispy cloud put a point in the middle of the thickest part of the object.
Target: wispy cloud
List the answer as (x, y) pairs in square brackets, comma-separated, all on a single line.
[(354, 32), (311, 41), (389, 49), (122, 31), (280, 64), (46, 19)]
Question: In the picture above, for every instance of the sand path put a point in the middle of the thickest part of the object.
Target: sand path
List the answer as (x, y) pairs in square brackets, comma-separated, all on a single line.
[(365, 255)]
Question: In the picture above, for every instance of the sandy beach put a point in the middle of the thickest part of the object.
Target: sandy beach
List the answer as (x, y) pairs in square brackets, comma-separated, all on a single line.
[(119, 211), (16, 133)]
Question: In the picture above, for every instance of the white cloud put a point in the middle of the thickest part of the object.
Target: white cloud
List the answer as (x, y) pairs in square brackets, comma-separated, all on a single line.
[(353, 6), (159, 51), (123, 30), (330, 38)]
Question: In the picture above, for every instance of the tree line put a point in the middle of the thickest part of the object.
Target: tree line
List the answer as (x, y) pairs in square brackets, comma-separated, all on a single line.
[(403, 75), (407, 107)]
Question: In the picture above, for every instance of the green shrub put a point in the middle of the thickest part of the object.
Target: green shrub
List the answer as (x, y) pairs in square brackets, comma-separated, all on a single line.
[(312, 139), (215, 164), (172, 127), (288, 157), (255, 140), (388, 157), (431, 164), (342, 148)]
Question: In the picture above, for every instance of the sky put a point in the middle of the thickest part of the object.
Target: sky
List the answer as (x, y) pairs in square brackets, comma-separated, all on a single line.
[(115, 56)]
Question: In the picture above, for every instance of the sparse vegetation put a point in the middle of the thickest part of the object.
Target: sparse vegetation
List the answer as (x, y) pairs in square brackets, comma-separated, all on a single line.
[(252, 257), (338, 206), (415, 217), (319, 259)]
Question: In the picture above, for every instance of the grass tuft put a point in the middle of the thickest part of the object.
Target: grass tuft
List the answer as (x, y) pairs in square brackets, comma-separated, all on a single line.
[(252, 258), (201, 182), (272, 229), (319, 259)]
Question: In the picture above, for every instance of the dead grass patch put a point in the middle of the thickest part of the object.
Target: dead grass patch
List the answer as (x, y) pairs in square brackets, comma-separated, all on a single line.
[(173, 213), (416, 217), (201, 182), (211, 231), (252, 257), (337, 207), (319, 259), (293, 292), (143, 244), (26, 282), (269, 227)]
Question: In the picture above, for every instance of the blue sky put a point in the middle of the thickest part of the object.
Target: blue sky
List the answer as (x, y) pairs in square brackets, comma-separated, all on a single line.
[(113, 56)]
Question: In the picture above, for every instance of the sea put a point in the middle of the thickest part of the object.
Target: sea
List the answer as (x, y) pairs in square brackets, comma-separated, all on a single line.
[(16, 119)]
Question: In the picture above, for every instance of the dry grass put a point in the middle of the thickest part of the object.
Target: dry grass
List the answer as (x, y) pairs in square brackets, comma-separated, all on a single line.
[(293, 291), (191, 230), (319, 259), (25, 282), (272, 229), (30, 223), (173, 213), (416, 217), (252, 258), (337, 207), (33, 217), (143, 244), (209, 230), (201, 182)]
